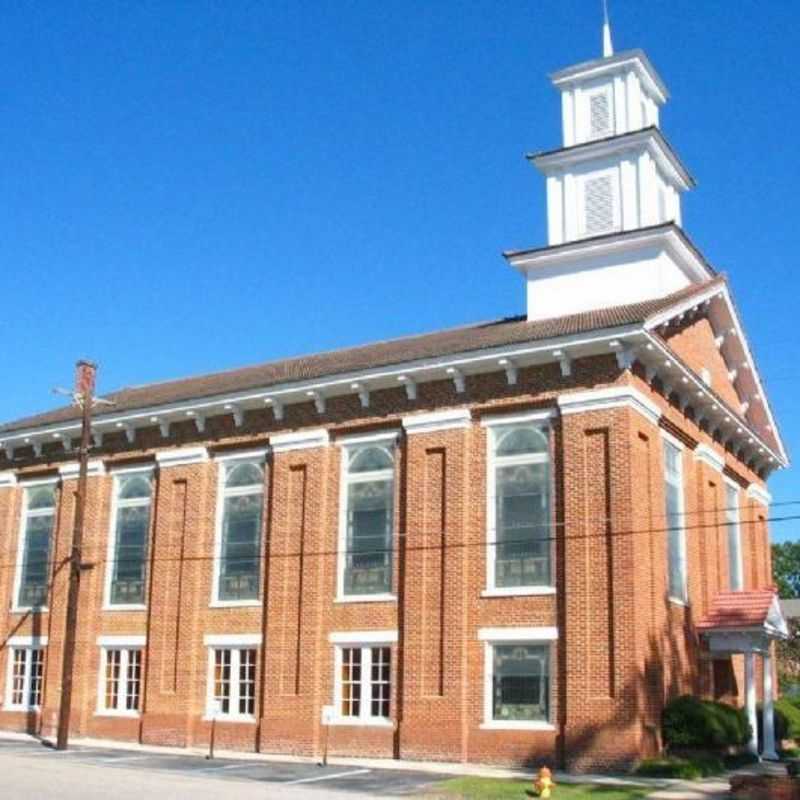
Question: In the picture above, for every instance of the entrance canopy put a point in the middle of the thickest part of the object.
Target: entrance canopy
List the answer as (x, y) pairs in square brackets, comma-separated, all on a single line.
[(743, 622)]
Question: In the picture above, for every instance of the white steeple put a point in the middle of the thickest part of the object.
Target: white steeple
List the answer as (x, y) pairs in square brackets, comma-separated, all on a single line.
[(613, 193), (608, 48)]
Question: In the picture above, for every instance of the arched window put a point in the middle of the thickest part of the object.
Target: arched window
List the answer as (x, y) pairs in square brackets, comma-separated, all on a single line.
[(240, 531), (37, 534), (519, 552), (130, 530), (368, 520)]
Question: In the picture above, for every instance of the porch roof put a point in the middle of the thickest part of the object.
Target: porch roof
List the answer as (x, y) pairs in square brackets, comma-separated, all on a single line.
[(750, 617)]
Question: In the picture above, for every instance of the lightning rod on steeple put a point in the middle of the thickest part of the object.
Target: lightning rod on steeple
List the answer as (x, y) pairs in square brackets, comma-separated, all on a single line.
[(608, 48)]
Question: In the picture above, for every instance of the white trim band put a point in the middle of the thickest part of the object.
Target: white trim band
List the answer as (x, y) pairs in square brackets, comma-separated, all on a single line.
[(539, 634), (299, 440), (759, 494), (363, 637), (232, 639), (515, 418), (122, 641), (26, 641), (251, 454), (387, 437), (447, 420), (7, 480), (709, 456), (71, 470), (181, 457), (610, 397)]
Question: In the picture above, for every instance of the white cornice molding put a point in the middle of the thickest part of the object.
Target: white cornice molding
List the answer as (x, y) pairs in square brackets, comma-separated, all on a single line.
[(181, 457), (518, 417), (299, 440), (7, 480), (375, 437), (450, 419), (363, 637), (246, 454), (28, 483), (708, 455), (759, 494), (610, 397), (232, 639), (122, 641), (538, 634), (71, 470)]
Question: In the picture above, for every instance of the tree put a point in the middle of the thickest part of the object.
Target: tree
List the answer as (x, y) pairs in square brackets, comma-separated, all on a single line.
[(786, 568)]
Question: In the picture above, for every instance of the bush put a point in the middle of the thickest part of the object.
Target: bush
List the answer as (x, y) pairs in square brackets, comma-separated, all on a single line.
[(787, 720), (688, 768), (691, 722)]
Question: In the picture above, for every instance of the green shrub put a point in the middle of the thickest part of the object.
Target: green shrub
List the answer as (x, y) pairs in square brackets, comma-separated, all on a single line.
[(787, 720), (689, 721), (688, 768)]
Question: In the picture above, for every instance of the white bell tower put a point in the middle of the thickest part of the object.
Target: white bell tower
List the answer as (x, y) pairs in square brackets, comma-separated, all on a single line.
[(613, 194)]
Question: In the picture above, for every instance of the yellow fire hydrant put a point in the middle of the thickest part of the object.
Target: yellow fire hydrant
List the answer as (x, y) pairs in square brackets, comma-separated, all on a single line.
[(544, 783)]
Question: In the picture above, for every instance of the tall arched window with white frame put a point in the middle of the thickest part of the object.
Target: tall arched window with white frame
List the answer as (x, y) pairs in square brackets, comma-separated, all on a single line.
[(130, 531), (367, 520), (520, 541), (36, 535), (239, 531)]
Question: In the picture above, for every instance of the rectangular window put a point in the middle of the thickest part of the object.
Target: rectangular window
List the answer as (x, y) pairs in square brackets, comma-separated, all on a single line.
[(38, 521), (676, 535), (520, 535), (121, 680), (734, 538), (363, 684), (232, 689), (239, 534), (367, 520), (520, 682), (26, 670), (130, 528)]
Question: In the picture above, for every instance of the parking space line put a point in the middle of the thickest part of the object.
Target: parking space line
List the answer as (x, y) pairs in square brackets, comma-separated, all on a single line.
[(224, 766), (124, 758), (328, 777)]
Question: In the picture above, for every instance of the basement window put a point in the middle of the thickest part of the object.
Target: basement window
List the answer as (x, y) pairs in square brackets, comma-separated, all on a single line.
[(362, 684), (232, 683), (38, 521), (25, 676), (120, 680)]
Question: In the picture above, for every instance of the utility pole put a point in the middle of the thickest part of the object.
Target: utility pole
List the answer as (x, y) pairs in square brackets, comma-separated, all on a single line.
[(84, 397)]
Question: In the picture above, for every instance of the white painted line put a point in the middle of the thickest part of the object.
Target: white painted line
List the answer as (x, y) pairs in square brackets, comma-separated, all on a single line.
[(226, 766), (124, 758), (328, 777)]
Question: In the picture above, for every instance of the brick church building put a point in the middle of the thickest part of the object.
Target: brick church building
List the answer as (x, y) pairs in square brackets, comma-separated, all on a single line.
[(509, 542)]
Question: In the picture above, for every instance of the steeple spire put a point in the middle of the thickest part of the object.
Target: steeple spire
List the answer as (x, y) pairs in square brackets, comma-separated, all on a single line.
[(608, 48)]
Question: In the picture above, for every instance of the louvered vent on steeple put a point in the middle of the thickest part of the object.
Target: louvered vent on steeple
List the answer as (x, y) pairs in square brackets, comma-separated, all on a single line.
[(599, 115), (598, 198)]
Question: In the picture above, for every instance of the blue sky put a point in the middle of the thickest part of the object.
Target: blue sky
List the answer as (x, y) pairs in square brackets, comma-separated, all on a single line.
[(197, 186)]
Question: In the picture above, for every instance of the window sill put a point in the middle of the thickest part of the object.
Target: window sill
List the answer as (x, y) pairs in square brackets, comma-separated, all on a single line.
[(124, 607), (229, 718), (519, 591), (361, 723), (118, 714), (29, 609), (22, 709), (516, 725), (678, 602), (235, 604), (367, 598)]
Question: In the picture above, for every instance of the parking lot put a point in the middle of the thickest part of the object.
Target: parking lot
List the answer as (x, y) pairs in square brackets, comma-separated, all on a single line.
[(30, 767)]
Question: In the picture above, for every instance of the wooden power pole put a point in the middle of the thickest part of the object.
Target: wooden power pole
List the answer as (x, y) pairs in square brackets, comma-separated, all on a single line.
[(83, 396)]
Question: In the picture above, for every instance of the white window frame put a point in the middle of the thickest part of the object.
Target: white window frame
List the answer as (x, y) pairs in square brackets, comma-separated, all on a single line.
[(258, 457), (736, 523), (348, 444), (669, 440), (493, 637), (125, 644), (147, 471), (580, 180), (22, 536), (235, 643), (495, 426), (28, 644), (364, 641)]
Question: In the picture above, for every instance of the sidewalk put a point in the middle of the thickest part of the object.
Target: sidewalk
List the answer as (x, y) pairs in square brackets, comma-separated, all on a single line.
[(434, 767)]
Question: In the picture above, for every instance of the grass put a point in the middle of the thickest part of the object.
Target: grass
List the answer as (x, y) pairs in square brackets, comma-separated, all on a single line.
[(503, 789), (688, 768)]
